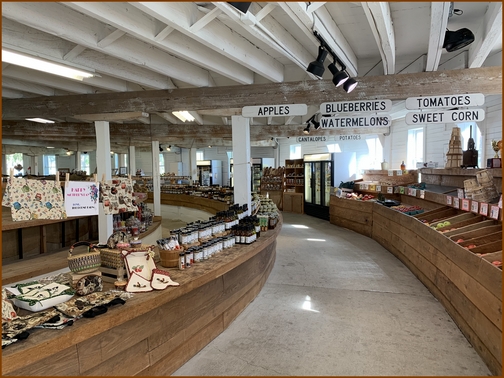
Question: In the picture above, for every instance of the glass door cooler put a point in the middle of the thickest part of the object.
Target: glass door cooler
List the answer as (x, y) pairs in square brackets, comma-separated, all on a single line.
[(256, 174), (318, 176)]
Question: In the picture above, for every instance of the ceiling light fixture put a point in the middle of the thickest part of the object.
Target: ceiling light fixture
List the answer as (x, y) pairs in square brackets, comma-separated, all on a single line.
[(456, 40), (315, 123), (49, 147), (317, 66), (350, 85), (168, 148), (183, 115), (43, 65), (39, 120), (339, 77), (306, 130), (161, 149)]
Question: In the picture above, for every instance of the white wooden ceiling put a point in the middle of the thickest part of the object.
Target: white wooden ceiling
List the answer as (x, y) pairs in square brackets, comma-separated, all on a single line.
[(142, 46)]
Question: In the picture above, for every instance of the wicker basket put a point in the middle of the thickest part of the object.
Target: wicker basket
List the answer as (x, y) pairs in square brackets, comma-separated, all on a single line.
[(85, 262), (111, 258)]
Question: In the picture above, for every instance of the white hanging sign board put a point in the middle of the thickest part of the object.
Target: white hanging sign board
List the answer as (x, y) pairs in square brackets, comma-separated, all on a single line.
[(445, 101), (320, 138), (365, 106), (81, 198), (445, 116), (355, 121), (275, 110)]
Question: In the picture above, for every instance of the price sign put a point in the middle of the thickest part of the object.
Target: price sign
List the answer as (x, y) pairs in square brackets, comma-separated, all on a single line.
[(378, 188), (494, 212), (484, 209), (413, 192), (390, 189), (465, 204), (365, 186), (401, 189), (475, 207), (422, 194), (456, 202), (391, 172), (449, 200), (399, 173), (460, 193)]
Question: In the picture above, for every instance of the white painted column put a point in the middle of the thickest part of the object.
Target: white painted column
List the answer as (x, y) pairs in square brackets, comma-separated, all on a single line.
[(132, 164), (123, 158), (5, 171), (104, 167), (33, 165), (156, 179), (193, 170), (77, 160), (241, 160)]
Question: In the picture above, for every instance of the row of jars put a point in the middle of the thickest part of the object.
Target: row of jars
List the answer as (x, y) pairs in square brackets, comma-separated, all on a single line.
[(205, 251), (194, 232)]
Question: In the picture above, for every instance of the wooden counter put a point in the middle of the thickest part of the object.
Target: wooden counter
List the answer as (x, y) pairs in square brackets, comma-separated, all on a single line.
[(206, 204), (468, 286), (157, 332)]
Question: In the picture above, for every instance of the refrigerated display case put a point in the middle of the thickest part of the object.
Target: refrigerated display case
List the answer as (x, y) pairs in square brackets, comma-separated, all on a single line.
[(209, 172), (256, 174), (319, 177)]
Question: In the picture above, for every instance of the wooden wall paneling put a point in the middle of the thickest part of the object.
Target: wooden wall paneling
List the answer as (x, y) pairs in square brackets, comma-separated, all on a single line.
[(130, 361), (171, 319), (64, 363), (9, 244), (31, 242)]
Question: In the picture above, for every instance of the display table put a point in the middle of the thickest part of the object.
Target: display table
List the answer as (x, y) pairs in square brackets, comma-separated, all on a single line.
[(456, 176), (154, 333), (467, 285)]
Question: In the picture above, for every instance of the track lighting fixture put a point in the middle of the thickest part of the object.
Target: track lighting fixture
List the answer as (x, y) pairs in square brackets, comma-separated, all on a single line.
[(340, 77), (455, 40), (350, 85), (306, 130), (160, 149), (317, 66), (168, 148), (315, 123)]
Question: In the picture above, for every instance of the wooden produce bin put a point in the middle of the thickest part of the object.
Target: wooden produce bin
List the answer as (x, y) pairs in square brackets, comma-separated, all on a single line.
[(437, 215), (383, 178), (293, 202), (352, 214)]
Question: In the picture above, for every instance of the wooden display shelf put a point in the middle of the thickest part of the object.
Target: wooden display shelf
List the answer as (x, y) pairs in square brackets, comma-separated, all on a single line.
[(296, 167), (468, 286), (293, 202)]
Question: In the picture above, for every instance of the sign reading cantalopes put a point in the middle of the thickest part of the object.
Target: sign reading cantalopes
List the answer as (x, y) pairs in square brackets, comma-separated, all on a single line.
[(320, 138), (364, 106), (355, 121), (286, 110), (445, 101), (445, 116)]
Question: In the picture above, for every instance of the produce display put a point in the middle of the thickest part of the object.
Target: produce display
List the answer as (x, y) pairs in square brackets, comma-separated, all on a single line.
[(360, 197), (408, 210)]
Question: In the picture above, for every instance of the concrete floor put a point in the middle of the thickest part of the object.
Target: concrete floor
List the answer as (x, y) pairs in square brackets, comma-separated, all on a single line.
[(337, 303)]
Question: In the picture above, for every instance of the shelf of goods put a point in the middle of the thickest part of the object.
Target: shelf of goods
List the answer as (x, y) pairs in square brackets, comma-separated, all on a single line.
[(293, 197), (456, 176), (272, 184), (457, 255), (156, 331)]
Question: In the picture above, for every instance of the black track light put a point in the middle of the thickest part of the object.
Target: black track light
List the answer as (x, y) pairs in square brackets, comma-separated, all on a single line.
[(315, 123), (339, 77), (317, 66), (455, 40), (349, 85), (306, 130), (160, 149)]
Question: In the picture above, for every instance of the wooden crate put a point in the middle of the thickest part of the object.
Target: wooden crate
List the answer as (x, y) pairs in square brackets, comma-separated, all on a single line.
[(381, 176), (488, 248), (461, 222), (482, 239), (475, 233), (471, 227), (442, 215), (112, 274)]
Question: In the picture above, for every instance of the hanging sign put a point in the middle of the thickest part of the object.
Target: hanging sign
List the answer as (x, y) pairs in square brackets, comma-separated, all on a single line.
[(275, 110), (445, 116), (311, 139), (365, 106), (355, 121), (445, 101), (81, 198)]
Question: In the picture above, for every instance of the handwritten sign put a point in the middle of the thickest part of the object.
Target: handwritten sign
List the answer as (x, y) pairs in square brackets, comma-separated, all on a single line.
[(484, 209), (422, 194), (456, 202), (449, 200), (378, 188), (390, 189), (494, 212), (465, 204), (475, 207)]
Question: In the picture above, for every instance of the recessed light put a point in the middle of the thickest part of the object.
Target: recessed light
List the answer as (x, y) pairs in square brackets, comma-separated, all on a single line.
[(40, 120), (183, 115), (49, 147)]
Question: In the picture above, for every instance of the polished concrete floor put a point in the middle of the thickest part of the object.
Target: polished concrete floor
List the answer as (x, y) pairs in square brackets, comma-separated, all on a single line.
[(337, 303)]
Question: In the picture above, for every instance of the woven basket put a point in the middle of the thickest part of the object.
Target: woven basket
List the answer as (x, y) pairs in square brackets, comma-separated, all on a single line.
[(85, 262), (111, 258)]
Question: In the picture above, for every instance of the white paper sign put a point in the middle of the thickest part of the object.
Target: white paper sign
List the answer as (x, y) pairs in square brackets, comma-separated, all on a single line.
[(390, 189), (378, 188), (475, 206), (456, 202), (413, 192), (484, 209), (494, 212), (390, 172), (275, 110), (398, 172), (445, 116), (460, 193), (81, 198), (422, 194), (364, 106), (465, 204), (449, 200), (446, 101)]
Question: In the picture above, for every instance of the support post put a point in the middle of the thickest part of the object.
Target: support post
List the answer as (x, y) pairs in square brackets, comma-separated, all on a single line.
[(156, 179), (104, 169), (193, 168), (241, 160), (132, 164)]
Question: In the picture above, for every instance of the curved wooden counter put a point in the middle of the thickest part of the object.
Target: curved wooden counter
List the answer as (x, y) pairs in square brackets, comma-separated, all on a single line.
[(469, 287), (157, 332), (206, 204)]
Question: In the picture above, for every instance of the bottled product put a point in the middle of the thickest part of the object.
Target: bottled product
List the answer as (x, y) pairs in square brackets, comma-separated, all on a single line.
[(181, 260), (403, 166)]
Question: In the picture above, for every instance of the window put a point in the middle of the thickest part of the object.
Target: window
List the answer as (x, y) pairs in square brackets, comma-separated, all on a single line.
[(295, 151), (13, 160), (199, 155), (49, 164), (415, 148), (84, 163), (375, 155), (161, 164), (333, 147)]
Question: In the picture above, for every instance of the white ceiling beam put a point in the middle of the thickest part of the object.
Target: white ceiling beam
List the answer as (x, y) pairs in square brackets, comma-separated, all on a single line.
[(488, 34), (270, 119), (289, 120), (13, 93), (48, 80), (197, 118), (205, 20), (224, 120), (137, 24), (72, 54), (24, 86), (216, 36), (25, 39), (323, 23), (380, 20), (111, 38), (169, 117), (264, 11), (439, 19), (52, 18), (163, 33), (272, 33), (144, 120), (315, 5), (113, 117)]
